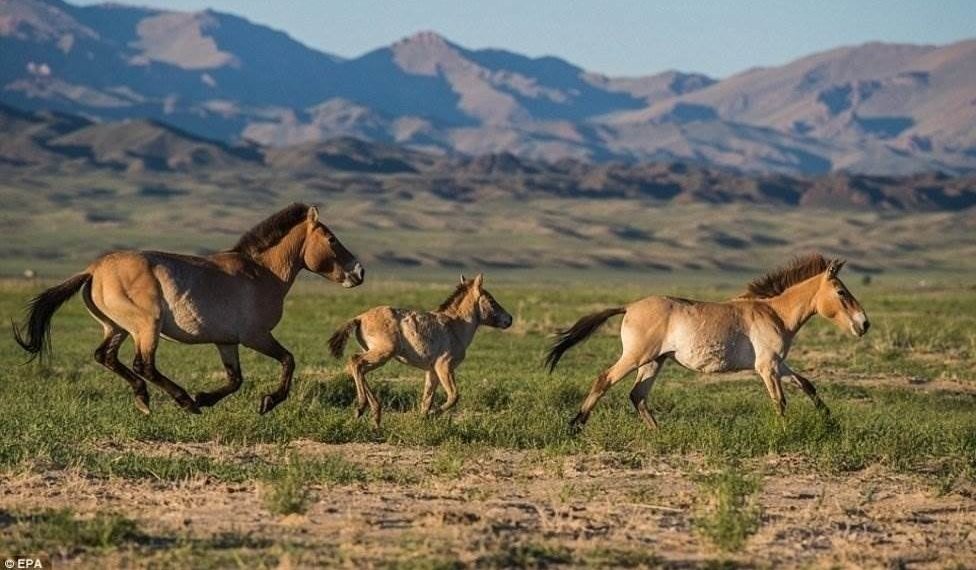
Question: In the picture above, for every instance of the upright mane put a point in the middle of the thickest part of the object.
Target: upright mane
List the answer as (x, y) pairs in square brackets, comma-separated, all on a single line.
[(775, 282), (270, 231), (454, 298)]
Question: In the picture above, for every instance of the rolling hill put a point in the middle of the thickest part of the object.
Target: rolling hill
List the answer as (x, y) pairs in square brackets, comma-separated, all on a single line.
[(56, 142), (876, 108)]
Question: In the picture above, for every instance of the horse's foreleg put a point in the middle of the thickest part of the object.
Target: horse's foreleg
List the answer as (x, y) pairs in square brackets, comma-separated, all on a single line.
[(107, 354), (445, 373), (430, 386), (806, 386), (646, 374), (270, 347), (769, 371), (232, 365), (624, 366)]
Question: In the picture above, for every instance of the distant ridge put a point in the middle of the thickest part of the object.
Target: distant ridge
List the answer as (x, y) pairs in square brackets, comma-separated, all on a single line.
[(51, 142), (883, 109)]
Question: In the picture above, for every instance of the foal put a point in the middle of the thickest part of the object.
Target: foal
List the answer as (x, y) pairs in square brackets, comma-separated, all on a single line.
[(434, 341), (751, 332)]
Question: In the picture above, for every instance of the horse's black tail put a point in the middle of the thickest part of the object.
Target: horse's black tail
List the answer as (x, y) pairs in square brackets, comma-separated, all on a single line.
[(577, 333), (337, 342), (34, 335)]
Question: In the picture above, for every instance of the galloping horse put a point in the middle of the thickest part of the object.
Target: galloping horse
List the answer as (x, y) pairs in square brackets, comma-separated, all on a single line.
[(229, 298), (751, 332), (434, 341)]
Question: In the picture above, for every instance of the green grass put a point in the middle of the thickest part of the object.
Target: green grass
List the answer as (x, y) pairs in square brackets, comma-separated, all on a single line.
[(730, 514), (287, 491), (59, 413), (71, 413), (53, 534)]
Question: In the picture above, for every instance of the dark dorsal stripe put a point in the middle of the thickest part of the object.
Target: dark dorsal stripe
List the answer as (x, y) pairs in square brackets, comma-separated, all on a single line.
[(796, 271), (270, 231)]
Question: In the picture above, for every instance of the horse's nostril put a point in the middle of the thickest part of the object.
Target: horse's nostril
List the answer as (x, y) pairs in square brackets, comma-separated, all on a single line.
[(358, 272), (867, 325)]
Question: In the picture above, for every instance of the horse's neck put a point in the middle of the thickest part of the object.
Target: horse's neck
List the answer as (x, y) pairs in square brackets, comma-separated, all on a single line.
[(463, 323), (796, 305), (284, 259)]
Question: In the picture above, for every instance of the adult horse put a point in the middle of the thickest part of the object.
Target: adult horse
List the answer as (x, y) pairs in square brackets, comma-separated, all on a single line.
[(751, 332), (228, 299)]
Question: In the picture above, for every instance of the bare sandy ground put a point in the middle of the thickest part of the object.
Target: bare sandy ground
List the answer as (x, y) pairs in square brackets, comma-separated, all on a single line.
[(500, 505)]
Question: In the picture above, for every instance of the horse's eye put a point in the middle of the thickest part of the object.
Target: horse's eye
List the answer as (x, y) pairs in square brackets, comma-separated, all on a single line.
[(332, 240), (842, 294)]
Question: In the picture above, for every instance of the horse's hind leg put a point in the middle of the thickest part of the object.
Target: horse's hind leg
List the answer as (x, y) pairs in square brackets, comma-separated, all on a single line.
[(646, 374), (107, 354), (624, 366), (147, 339), (232, 365), (358, 366)]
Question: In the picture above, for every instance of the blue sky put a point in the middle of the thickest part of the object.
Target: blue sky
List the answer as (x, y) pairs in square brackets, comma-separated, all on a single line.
[(616, 37)]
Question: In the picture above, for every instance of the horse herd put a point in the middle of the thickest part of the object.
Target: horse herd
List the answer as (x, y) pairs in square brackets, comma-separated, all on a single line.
[(236, 297)]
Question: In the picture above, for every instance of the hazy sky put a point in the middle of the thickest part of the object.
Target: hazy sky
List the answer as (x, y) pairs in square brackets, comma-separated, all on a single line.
[(616, 37)]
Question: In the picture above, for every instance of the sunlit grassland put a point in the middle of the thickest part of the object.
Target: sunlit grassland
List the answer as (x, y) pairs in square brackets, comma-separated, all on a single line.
[(59, 413)]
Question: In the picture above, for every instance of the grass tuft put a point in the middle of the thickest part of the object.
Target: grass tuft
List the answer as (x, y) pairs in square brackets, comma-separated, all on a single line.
[(730, 513)]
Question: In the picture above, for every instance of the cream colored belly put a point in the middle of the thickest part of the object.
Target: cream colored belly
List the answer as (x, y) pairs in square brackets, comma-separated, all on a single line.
[(711, 354)]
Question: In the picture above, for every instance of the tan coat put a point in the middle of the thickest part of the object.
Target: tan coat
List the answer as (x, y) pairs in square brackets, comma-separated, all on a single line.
[(751, 332)]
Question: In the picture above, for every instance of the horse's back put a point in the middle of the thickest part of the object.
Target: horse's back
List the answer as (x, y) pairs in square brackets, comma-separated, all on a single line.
[(196, 299), (416, 337)]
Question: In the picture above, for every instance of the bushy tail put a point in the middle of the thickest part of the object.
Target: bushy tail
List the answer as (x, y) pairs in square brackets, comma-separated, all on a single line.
[(337, 342), (34, 335), (577, 333)]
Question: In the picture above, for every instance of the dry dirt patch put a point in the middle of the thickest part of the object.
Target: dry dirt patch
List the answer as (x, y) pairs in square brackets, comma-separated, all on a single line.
[(499, 505)]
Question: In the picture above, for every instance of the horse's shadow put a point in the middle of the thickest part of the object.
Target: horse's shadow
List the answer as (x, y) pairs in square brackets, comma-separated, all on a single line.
[(394, 394)]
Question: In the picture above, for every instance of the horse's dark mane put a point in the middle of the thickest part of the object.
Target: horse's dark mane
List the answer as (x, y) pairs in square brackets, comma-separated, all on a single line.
[(455, 297), (798, 270), (270, 231)]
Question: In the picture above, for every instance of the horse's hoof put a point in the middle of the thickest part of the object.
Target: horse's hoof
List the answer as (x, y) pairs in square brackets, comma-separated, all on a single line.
[(267, 404), (575, 426), (192, 408), (204, 399), (143, 406)]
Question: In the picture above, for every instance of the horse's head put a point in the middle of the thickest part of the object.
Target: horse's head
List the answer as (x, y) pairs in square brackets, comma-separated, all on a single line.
[(324, 254), (835, 303), (489, 312)]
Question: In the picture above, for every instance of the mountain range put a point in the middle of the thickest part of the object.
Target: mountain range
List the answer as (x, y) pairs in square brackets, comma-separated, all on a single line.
[(881, 109), (52, 143)]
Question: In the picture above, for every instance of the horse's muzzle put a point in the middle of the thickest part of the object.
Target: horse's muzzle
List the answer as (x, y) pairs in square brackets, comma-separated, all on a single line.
[(860, 324), (354, 277), (504, 322)]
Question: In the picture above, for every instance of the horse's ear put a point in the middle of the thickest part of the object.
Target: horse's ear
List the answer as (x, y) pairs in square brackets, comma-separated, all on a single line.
[(463, 280), (835, 266), (478, 280), (313, 214)]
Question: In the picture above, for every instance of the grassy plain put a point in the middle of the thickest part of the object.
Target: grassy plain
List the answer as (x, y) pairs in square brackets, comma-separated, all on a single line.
[(501, 482)]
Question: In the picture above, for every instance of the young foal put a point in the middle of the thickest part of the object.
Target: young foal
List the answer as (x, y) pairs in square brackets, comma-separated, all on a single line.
[(227, 299), (752, 331), (435, 341)]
